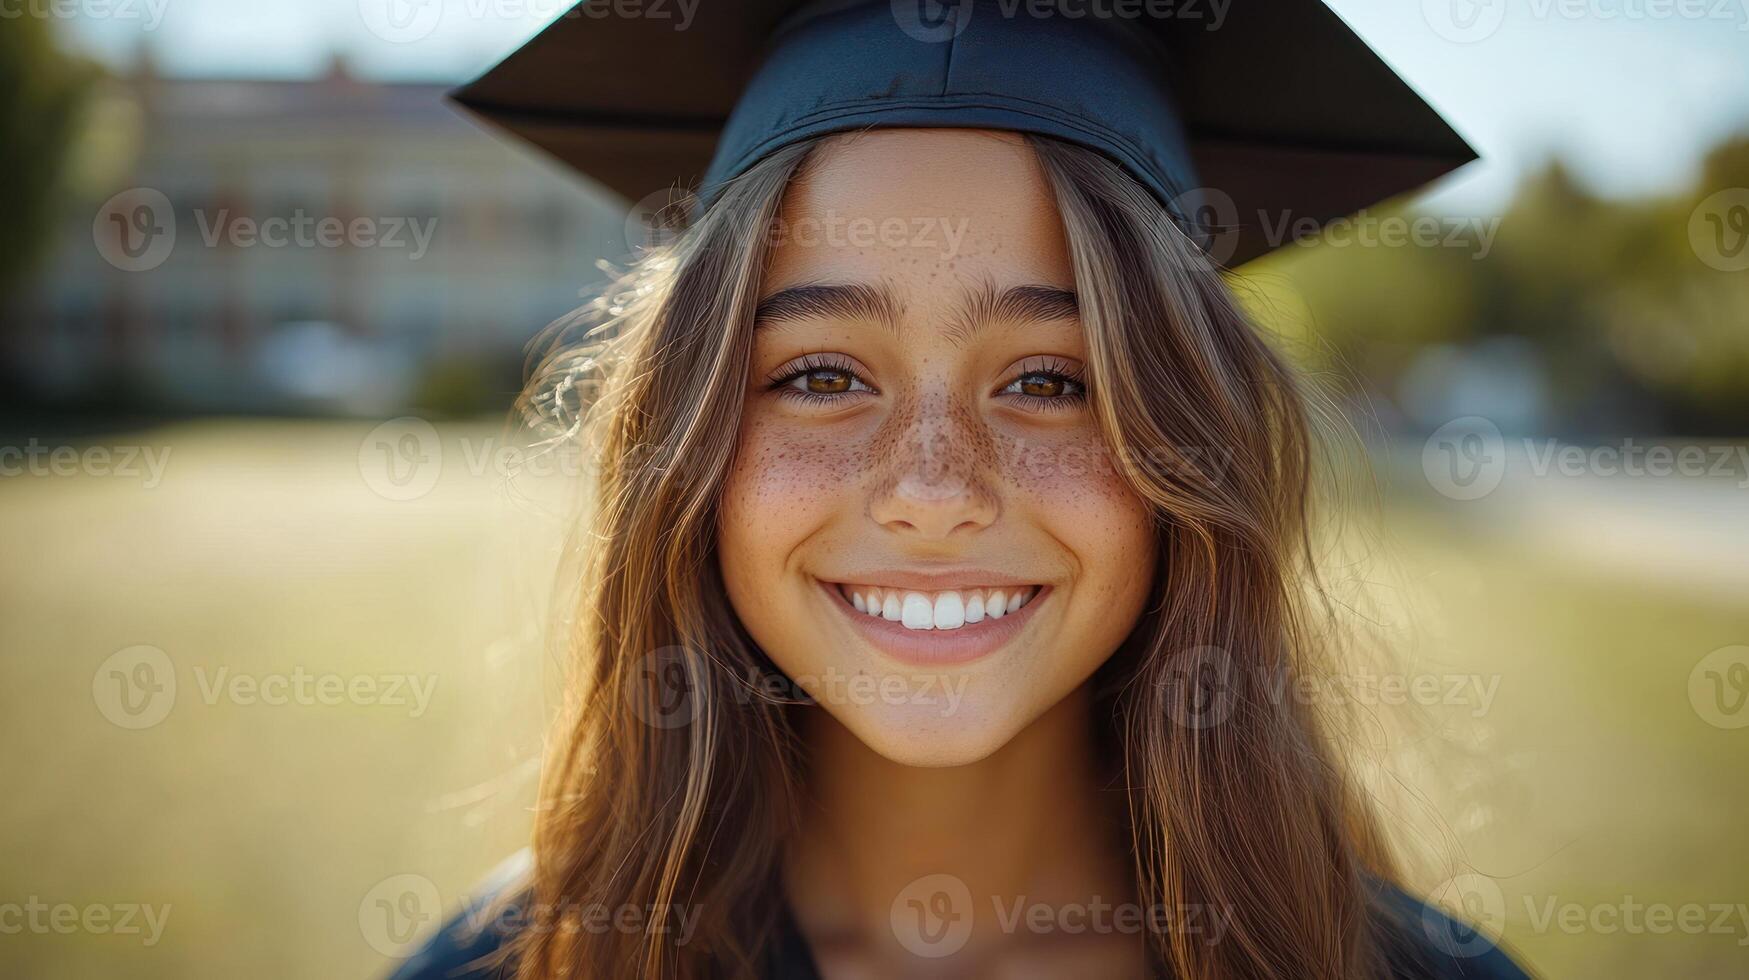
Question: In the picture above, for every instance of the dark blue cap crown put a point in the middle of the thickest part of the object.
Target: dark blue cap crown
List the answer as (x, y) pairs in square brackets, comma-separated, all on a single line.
[(976, 64)]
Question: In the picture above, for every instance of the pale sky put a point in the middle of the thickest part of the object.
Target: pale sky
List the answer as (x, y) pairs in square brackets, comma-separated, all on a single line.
[(1630, 92)]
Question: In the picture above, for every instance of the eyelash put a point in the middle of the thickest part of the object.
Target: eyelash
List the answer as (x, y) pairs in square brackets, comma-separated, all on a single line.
[(1053, 369), (782, 382)]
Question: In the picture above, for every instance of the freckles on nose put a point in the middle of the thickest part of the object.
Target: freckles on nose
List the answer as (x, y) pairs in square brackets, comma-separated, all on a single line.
[(936, 450), (929, 473)]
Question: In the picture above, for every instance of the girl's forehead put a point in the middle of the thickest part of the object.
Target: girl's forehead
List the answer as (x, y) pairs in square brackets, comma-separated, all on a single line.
[(923, 170), (920, 206)]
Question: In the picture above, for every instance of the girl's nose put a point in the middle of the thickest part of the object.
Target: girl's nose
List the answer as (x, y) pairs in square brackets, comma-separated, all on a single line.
[(935, 484)]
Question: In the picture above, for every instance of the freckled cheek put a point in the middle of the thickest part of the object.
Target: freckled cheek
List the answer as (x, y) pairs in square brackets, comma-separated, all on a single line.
[(1070, 487), (788, 479)]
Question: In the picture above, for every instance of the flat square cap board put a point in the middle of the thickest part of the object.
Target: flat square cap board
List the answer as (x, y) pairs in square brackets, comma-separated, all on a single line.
[(1243, 117)]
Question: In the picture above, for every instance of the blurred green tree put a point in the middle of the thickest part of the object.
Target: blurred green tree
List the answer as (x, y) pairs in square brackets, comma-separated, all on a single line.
[(43, 94), (1636, 318)]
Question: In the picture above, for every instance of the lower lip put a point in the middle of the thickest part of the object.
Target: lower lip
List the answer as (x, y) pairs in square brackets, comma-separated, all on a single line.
[(938, 647)]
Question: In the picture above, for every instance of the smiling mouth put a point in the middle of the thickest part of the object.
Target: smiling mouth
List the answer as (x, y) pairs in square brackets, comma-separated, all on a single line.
[(949, 609)]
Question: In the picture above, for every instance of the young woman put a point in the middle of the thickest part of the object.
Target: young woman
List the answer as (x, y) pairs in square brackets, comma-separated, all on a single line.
[(943, 583)]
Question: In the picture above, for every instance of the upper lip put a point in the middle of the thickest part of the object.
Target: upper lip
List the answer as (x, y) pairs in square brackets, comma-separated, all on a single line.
[(933, 581)]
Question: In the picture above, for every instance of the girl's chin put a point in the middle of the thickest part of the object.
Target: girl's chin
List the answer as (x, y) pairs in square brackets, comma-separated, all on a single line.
[(948, 724), (905, 749)]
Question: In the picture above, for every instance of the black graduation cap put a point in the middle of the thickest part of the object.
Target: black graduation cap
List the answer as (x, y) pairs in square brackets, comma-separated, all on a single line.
[(1243, 116)]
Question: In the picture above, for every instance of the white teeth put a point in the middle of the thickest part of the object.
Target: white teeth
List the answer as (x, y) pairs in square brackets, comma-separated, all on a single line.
[(919, 614), (995, 606), (949, 613), (938, 610)]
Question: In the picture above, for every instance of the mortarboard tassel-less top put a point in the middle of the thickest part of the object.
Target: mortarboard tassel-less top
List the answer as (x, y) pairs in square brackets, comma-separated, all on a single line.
[(1240, 117)]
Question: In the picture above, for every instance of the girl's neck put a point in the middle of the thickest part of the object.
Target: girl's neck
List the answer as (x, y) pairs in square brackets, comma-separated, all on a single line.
[(1030, 825)]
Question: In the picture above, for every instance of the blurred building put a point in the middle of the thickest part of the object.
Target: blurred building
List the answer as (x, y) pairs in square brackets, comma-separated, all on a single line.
[(444, 252)]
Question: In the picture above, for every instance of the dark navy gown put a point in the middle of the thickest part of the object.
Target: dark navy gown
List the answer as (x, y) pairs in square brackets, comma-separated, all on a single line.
[(462, 951)]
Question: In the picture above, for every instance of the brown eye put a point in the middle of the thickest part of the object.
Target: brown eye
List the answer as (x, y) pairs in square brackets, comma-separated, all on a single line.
[(1042, 386), (828, 381), (821, 378), (1053, 386)]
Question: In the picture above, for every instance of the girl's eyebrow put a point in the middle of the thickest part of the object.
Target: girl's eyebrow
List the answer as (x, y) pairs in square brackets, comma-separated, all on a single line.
[(1017, 304), (1032, 303), (858, 301)]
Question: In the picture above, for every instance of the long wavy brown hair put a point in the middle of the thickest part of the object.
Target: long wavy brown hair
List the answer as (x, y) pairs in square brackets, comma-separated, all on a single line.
[(672, 781)]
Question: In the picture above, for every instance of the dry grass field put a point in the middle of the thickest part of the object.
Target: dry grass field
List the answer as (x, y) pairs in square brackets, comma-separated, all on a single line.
[(341, 687)]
